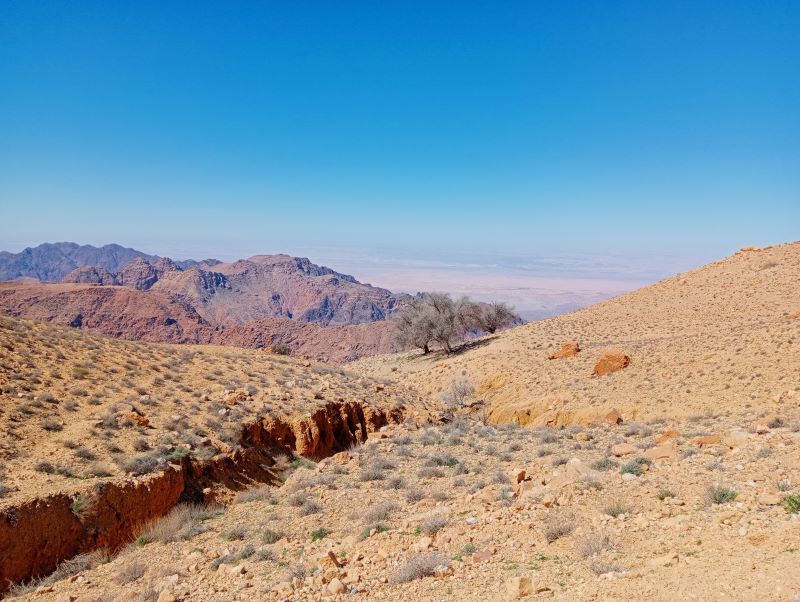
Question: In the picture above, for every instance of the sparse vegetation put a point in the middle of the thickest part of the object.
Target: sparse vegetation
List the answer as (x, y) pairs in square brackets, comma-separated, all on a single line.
[(558, 524), (791, 503), (237, 533), (605, 464), (433, 524), (594, 543), (665, 493), (417, 567), (721, 495), (269, 536), (461, 391), (633, 468), (181, 523), (616, 508), (78, 504)]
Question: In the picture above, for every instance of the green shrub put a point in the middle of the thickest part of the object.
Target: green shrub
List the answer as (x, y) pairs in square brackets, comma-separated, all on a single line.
[(633, 468), (270, 536), (791, 503), (721, 495), (78, 504)]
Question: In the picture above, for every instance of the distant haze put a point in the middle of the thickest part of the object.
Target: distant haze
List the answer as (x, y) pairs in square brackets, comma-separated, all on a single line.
[(537, 286)]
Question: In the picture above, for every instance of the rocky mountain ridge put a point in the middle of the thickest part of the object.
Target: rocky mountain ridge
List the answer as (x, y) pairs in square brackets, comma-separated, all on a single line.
[(51, 262), (256, 302)]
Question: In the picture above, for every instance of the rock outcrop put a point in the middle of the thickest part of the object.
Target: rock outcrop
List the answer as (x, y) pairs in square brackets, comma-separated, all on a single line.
[(611, 361), (566, 350), (91, 274)]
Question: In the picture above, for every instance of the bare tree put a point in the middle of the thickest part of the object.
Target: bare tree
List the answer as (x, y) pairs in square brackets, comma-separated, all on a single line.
[(414, 326), (432, 318), (448, 319), (492, 316), (460, 393), (437, 318)]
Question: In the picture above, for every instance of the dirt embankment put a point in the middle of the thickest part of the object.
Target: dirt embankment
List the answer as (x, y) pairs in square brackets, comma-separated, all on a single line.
[(37, 535)]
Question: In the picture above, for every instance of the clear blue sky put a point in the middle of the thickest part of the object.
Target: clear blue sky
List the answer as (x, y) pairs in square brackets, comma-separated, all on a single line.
[(459, 127)]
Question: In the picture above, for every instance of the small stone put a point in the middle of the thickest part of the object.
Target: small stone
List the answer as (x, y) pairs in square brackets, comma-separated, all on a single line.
[(706, 440), (623, 449), (666, 436), (736, 438), (519, 587), (769, 499), (336, 586), (482, 556), (166, 595), (668, 451)]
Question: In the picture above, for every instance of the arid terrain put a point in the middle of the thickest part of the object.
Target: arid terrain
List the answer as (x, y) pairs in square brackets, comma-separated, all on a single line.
[(721, 339), (654, 457)]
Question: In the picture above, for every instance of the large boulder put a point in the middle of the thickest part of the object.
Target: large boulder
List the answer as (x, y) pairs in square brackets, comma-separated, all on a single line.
[(611, 361), (567, 350)]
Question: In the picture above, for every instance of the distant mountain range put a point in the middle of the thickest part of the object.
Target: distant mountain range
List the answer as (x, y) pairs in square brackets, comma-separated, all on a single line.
[(51, 262), (253, 302)]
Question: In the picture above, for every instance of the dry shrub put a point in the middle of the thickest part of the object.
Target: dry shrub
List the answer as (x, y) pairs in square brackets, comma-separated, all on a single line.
[(182, 523), (558, 524), (252, 495), (594, 543), (377, 512), (130, 572), (417, 567), (433, 524)]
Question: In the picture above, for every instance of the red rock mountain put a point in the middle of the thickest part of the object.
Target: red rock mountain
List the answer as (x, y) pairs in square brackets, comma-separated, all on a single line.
[(254, 302), (262, 286), (128, 313)]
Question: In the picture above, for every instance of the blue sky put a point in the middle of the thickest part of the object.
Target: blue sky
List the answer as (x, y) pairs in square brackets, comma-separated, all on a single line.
[(467, 131)]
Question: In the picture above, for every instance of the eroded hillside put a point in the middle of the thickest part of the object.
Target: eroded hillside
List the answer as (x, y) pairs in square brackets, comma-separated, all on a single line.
[(85, 417)]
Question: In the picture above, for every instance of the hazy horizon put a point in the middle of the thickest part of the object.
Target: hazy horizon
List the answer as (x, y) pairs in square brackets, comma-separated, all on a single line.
[(537, 286)]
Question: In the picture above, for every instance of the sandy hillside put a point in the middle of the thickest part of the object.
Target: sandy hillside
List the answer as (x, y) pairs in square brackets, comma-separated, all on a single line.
[(76, 406), (723, 338)]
